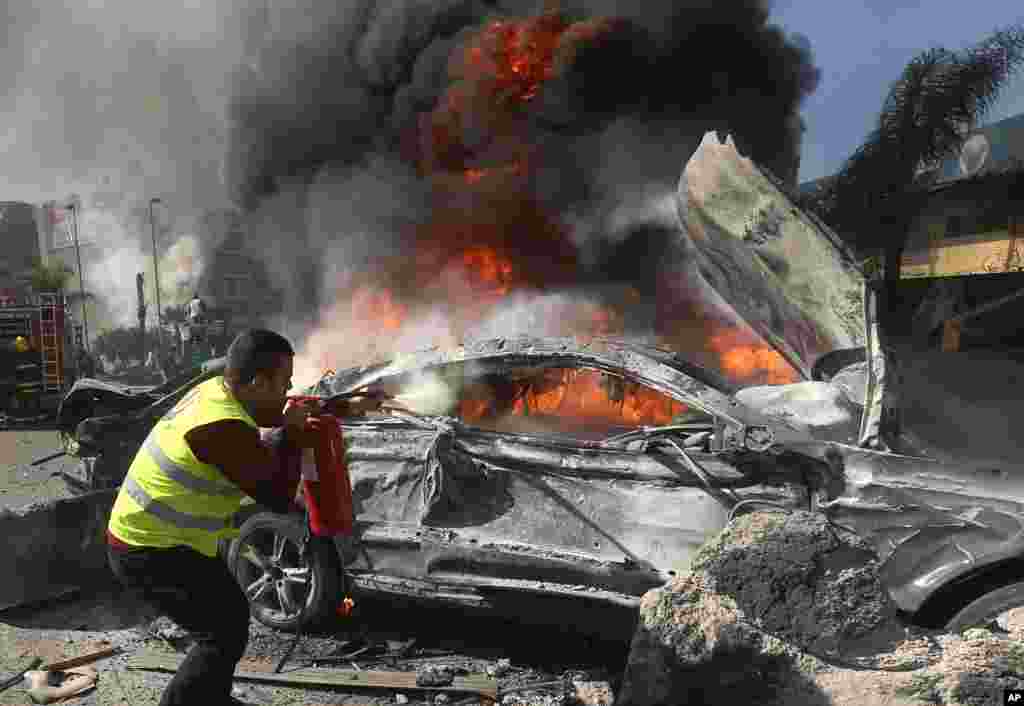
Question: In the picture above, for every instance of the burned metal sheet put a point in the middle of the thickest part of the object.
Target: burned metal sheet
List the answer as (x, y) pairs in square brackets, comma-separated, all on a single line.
[(929, 522)]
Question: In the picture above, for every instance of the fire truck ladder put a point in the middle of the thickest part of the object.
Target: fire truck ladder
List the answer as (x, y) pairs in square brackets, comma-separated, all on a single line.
[(53, 374)]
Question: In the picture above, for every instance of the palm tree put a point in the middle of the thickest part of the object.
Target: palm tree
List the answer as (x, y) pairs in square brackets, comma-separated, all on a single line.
[(874, 198)]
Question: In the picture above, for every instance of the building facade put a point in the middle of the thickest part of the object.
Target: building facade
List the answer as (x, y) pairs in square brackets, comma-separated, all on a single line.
[(972, 222), (235, 282), (22, 235)]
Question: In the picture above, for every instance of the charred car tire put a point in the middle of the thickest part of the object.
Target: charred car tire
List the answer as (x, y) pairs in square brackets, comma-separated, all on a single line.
[(976, 599), (285, 592)]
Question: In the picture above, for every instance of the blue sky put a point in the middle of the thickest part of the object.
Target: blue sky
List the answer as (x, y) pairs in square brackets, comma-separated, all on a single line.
[(862, 46)]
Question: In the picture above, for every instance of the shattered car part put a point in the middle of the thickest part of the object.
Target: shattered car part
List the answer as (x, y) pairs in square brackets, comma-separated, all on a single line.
[(493, 494)]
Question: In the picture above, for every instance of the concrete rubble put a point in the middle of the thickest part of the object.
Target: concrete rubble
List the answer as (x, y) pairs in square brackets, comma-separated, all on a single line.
[(786, 608)]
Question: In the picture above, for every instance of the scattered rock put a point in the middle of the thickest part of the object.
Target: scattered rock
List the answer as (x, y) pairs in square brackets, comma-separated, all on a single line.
[(401, 699), (442, 698), (535, 699), (166, 629), (763, 604), (593, 693), (434, 675), (500, 668), (781, 609)]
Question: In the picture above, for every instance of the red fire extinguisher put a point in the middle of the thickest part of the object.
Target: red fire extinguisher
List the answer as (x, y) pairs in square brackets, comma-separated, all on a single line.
[(328, 490), (325, 484)]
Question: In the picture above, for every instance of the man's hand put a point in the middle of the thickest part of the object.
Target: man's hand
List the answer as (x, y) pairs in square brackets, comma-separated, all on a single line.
[(295, 415), (356, 405), (364, 403)]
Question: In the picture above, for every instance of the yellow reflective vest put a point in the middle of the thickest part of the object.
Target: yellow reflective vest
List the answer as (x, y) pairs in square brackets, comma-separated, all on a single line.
[(169, 497)]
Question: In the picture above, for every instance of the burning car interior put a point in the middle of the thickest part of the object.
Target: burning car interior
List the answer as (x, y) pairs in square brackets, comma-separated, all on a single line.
[(580, 402)]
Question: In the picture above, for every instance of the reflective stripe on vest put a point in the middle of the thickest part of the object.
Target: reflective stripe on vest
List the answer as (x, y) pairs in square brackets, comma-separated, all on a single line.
[(182, 477), (167, 513)]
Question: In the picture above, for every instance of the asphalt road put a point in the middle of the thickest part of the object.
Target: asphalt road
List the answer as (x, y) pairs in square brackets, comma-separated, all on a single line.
[(21, 483)]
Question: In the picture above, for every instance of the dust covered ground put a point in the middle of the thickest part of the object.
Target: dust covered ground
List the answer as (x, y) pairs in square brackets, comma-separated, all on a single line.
[(384, 637), (21, 483)]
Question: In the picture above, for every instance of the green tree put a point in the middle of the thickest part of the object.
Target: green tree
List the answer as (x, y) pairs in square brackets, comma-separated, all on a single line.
[(873, 200), (122, 341), (50, 277)]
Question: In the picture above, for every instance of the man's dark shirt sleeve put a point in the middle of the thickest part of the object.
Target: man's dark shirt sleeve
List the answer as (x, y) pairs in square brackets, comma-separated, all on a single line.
[(263, 473)]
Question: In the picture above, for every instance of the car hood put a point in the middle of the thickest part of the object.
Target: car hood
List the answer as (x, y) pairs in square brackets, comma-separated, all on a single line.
[(781, 269)]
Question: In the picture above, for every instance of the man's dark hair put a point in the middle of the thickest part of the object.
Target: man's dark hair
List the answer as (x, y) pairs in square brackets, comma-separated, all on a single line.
[(255, 351)]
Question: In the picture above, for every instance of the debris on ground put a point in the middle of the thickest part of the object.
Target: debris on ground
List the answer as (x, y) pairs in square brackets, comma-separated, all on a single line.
[(437, 678), (20, 674), (500, 668), (780, 609), (593, 693), (47, 687), (435, 675)]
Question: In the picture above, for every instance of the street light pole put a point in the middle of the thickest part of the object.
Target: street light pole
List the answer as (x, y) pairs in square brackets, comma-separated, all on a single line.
[(81, 275), (156, 272)]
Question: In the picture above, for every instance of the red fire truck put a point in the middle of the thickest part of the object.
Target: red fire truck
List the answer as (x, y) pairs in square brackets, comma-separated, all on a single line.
[(35, 353)]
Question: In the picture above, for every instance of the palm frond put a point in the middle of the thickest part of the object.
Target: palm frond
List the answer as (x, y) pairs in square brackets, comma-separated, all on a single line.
[(922, 120)]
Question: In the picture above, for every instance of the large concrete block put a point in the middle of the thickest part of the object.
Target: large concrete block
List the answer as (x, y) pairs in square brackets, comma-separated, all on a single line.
[(53, 548)]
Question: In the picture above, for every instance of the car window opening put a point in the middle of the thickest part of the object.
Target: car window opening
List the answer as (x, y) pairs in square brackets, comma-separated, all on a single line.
[(565, 400)]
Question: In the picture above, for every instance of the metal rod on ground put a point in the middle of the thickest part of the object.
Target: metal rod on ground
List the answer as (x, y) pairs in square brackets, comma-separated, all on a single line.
[(44, 459), (291, 648), (8, 683)]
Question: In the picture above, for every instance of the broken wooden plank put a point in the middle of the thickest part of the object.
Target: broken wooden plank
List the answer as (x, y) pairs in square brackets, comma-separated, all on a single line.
[(475, 683), (82, 659)]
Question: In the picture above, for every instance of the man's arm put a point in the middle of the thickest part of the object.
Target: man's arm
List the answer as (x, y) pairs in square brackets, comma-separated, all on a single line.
[(261, 472)]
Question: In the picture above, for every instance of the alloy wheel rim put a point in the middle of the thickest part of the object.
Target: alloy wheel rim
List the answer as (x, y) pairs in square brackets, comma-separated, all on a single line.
[(274, 576)]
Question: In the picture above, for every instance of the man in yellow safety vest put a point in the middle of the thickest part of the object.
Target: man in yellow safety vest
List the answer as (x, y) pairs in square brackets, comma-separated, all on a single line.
[(181, 492)]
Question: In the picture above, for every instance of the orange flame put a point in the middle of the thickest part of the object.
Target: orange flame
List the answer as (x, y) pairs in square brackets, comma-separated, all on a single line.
[(378, 307), (751, 361), (487, 268), (514, 58), (579, 396)]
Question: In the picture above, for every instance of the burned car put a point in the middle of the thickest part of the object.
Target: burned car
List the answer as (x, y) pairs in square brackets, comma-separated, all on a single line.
[(127, 412), (592, 469)]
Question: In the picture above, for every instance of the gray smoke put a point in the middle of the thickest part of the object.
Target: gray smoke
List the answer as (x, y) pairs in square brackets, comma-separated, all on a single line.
[(118, 101), (112, 96)]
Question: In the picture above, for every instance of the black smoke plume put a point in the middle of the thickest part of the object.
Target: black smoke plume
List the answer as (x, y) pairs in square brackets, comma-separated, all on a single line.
[(328, 83)]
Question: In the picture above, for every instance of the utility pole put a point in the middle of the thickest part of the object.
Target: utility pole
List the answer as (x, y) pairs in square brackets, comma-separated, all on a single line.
[(156, 273), (81, 276), (140, 280)]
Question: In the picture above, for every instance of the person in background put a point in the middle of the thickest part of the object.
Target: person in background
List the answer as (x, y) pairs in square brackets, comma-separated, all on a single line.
[(195, 311), (183, 488)]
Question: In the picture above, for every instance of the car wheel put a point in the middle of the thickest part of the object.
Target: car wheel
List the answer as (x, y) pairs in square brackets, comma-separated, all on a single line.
[(975, 600), (285, 591), (990, 607)]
